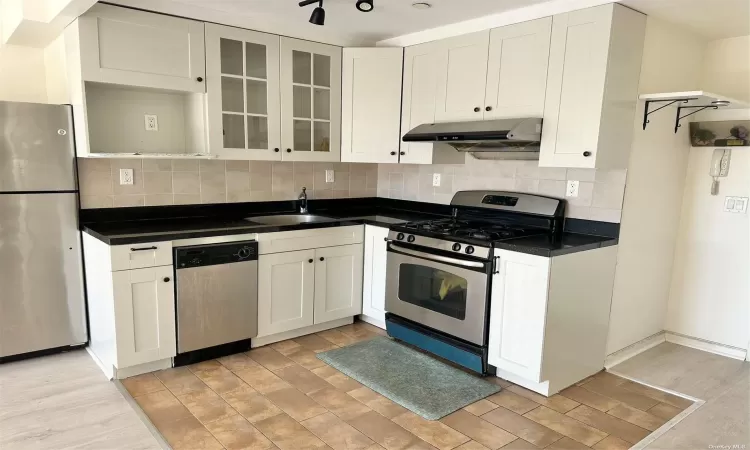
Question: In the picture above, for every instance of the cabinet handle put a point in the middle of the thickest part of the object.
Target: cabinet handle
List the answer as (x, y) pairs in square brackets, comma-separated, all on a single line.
[(276, 150), (393, 153), (200, 79), (477, 109), (289, 150), (322, 259), (142, 249), (310, 260), (489, 108), (403, 153), (166, 279), (587, 154)]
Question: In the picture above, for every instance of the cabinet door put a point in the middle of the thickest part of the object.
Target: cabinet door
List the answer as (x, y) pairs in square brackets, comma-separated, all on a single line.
[(418, 99), (371, 104), (137, 48), (310, 101), (144, 315), (373, 294), (338, 282), (517, 70), (286, 294), (518, 313), (575, 87), (244, 109), (462, 77)]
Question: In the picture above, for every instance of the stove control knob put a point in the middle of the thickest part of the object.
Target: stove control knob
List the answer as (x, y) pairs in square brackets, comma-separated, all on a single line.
[(411, 238), (456, 247), (400, 236), (469, 250)]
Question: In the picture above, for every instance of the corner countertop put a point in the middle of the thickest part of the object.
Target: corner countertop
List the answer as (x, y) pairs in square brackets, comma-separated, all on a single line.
[(123, 232)]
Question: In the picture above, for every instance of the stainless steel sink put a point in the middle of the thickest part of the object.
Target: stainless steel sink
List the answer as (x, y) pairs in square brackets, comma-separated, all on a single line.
[(289, 219)]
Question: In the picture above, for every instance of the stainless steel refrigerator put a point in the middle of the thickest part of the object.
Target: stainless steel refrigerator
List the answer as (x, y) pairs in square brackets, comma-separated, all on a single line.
[(42, 304)]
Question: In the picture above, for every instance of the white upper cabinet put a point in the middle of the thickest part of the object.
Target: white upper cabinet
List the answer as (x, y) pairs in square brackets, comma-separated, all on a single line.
[(371, 105), (517, 70), (461, 77), (137, 48), (310, 101), (592, 87), (419, 96), (244, 108)]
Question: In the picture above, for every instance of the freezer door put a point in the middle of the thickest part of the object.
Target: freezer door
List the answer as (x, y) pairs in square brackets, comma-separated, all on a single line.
[(36, 148), (41, 284)]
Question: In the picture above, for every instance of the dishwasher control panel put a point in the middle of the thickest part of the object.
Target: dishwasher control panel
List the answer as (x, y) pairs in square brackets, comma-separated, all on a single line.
[(215, 254)]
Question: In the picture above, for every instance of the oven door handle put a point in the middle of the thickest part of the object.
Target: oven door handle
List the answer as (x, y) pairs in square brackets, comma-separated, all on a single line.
[(436, 258)]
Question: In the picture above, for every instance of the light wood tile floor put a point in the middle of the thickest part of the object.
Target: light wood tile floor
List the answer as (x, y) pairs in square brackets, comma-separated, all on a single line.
[(65, 402), (283, 397), (724, 383)]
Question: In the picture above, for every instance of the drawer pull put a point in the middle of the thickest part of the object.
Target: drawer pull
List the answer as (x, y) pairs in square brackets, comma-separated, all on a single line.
[(143, 249), (166, 279)]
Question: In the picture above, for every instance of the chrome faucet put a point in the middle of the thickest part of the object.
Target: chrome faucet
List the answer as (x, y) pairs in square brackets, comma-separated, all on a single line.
[(303, 201)]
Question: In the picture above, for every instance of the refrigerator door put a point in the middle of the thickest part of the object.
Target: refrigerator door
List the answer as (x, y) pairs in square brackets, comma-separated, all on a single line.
[(36, 148), (41, 283)]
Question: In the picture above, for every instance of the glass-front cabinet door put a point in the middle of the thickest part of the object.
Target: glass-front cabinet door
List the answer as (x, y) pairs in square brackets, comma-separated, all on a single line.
[(242, 71), (310, 101)]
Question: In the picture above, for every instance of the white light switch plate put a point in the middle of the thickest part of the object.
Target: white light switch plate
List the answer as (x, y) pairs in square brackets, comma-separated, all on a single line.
[(126, 177), (572, 188), (436, 179), (329, 176), (736, 205)]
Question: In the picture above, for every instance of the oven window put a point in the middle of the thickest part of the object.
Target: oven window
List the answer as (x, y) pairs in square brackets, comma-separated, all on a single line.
[(433, 289)]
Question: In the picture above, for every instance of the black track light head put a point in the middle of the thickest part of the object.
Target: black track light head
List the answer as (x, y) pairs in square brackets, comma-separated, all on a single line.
[(365, 5), (318, 16)]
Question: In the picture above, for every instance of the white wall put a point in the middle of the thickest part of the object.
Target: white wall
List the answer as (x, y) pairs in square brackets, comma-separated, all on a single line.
[(710, 297), (653, 196), (22, 74)]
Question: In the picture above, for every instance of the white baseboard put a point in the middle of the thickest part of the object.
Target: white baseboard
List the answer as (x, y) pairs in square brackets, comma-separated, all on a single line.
[(372, 321), (707, 346), (108, 372), (541, 388), (265, 340), (127, 372), (630, 351)]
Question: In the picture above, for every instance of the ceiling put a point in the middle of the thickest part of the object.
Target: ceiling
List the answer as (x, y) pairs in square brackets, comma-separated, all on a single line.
[(345, 25)]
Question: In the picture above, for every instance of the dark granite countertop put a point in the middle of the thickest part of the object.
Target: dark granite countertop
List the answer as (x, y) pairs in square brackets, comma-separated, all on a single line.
[(152, 224)]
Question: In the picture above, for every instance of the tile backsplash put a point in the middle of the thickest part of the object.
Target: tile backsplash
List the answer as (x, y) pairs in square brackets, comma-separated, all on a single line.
[(600, 192), (183, 181)]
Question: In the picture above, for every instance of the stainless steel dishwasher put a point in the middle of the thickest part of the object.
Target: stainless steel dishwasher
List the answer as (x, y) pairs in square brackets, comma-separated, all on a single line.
[(217, 294)]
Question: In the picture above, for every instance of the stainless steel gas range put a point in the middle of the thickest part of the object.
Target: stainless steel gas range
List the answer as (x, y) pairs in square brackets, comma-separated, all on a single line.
[(439, 272)]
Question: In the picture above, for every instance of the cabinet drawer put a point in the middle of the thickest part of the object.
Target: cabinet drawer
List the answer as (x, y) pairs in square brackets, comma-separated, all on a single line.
[(137, 256), (289, 241)]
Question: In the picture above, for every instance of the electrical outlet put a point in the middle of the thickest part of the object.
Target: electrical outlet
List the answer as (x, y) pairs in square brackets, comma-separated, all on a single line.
[(329, 176), (436, 179), (126, 177), (572, 189), (151, 122)]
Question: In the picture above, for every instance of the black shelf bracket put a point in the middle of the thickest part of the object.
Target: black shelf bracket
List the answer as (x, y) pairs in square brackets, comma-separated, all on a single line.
[(669, 102), (697, 109)]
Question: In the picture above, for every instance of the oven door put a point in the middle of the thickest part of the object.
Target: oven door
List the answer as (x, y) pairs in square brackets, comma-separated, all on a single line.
[(445, 293)]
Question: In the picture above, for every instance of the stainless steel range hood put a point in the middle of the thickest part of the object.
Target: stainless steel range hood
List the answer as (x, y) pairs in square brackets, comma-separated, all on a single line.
[(500, 136)]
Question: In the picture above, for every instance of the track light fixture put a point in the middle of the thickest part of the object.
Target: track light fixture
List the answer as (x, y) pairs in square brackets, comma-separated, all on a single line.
[(365, 5), (318, 16)]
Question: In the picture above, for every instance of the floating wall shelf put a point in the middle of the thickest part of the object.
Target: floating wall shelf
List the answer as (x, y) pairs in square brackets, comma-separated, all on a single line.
[(695, 101)]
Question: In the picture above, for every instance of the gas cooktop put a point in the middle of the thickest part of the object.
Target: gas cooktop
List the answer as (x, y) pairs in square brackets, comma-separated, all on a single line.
[(475, 230)]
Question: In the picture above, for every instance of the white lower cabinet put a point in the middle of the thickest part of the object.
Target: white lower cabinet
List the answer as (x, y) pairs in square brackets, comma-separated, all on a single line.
[(299, 288), (338, 282), (517, 315), (144, 315), (286, 291), (373, 293)]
